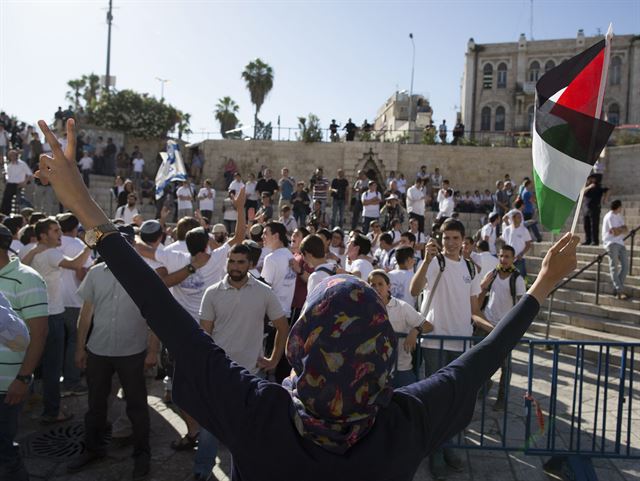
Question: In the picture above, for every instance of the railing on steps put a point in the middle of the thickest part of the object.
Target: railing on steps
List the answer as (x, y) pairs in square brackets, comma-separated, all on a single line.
[(598, 261)]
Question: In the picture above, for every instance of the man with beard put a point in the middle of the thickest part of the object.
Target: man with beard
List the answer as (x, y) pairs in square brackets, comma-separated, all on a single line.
[(233, 312)]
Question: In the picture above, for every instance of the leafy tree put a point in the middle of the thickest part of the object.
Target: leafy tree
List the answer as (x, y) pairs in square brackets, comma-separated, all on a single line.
[(91, 90), (310, 130), (226, 114), (137, 114), (259, 79), (263, 131), (184, 124)]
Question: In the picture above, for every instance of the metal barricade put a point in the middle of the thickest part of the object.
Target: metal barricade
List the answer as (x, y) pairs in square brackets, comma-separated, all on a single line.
[(578, 399)]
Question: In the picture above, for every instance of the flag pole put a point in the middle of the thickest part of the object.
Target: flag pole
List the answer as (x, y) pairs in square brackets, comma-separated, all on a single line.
[(598, 114)]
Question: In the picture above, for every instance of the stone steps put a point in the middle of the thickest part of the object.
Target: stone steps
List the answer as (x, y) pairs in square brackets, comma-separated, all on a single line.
[(627, 314), (569, 294), (601, 329), (536, 262)]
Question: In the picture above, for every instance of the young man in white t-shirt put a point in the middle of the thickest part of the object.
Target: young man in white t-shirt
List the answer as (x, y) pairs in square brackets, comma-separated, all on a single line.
[(49, 261), (489, 231), (312, 248), (517, 236), (277, 271), (185, 197), (138, 169), (128, 211), (400, 277), (416, 203), (207, 197), (371, 200), (86, 166), (450, 303), (504, 286), (358, 263), (613, 232)]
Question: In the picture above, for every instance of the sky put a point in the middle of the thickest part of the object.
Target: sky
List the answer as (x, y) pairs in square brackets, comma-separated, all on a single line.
[(336, 59)]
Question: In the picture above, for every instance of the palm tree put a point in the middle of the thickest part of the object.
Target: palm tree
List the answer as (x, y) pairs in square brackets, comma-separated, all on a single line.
[(91, 91), (259, 78), (74, 94), (226, 110)]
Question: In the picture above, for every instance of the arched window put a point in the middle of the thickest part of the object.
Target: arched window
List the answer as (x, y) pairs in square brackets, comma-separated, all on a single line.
[(534, 71), (530, 113), (616, 71), (499, 126), (549, 65), (613, 114), (487, 76), (485, 119), (502, 75)]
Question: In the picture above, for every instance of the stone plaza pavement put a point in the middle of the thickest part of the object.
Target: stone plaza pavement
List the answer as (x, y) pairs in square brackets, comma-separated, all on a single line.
[(47, 450)]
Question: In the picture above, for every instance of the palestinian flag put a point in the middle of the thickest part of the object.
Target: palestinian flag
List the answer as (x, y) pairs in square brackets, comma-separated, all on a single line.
[(568, 134)]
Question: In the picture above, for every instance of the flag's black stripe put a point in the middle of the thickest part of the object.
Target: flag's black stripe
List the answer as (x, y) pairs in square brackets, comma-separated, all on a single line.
[(559, 77), (573, 133)]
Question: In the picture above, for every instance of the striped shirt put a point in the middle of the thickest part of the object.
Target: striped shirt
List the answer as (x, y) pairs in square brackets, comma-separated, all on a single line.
[(25, 290)]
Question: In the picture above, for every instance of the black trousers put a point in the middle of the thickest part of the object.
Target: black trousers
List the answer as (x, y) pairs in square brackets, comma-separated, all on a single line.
[(130, 370), (420, 219), (9, 191), (591, 225)]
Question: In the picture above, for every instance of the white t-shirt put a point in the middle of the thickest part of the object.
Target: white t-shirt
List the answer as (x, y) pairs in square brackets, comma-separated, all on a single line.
[(486, 261), (184, 191), (280, 276), (47, 263), (317, 276), (400, 287), (126, 213), (16, 245), (230, 212), (138, 164), (372, 210), (25, 250), (363, 266), (500, 301), (207, 198), (236, 185), (446, 206), (450, 310), (490, 231), (179, 245), (516, 237), (415, 200), (610, 221), (71, 247), (384, 258), (16, 173), (403, 318), (250, 190), (86, 163), (190, 291)]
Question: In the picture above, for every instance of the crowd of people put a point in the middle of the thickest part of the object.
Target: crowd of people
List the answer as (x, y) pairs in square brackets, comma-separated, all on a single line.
[(246, 281)]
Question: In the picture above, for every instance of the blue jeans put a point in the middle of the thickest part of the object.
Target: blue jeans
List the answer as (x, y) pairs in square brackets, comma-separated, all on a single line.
[(618, 265), (521, 266), (52, 361), (337, 213), (404, 378), (205, 458), (70, 372), (10, 462)]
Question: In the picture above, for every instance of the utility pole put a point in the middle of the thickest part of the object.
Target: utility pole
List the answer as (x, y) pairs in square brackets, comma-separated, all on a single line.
[(107, 80), (531, 20), (162, 82), (413, 63)]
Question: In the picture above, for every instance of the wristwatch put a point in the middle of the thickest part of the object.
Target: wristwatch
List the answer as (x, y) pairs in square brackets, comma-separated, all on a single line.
[(25, 378), (191, 268), (93, 236)]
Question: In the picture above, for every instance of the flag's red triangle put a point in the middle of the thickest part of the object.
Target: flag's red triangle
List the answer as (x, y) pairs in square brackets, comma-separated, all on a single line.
[(582, 93)]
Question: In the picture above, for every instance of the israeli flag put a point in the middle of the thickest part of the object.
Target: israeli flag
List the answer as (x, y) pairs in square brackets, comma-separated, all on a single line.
[(171, 169)]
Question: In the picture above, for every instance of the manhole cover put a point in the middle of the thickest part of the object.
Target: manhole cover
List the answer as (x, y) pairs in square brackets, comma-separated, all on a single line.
[(60, 442)]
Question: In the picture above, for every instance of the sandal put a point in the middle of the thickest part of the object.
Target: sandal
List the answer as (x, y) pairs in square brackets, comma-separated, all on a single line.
[(60, 418), (185, 443)]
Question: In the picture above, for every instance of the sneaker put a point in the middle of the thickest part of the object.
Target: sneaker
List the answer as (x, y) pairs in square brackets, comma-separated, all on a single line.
[(141, 466), (78, 390), (84, 460), (438, 466), (453, 460)]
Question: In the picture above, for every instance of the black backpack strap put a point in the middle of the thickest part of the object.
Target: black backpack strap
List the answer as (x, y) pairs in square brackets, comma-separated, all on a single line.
[(441, 262), (471, 267), (327, 270), (512, 285)]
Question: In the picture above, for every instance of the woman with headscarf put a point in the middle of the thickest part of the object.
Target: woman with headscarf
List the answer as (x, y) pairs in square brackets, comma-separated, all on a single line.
[(337, 417)]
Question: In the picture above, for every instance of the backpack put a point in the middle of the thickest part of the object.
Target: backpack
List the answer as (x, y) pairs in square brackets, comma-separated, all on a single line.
[(331, 272), (471, 267), (512, 288)]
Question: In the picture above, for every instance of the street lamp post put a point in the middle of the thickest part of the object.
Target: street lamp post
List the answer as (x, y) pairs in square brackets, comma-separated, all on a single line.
[(162, 82), (413, 63)]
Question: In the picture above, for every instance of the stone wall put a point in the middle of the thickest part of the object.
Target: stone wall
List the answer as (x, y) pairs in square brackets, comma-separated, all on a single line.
[(150, 149), (622, 169), (468, 168)]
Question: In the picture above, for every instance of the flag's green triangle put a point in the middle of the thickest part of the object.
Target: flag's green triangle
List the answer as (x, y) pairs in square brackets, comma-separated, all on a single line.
[(554, 208)]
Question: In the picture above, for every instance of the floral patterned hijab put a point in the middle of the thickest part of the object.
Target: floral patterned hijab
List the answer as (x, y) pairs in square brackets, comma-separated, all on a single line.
[(342, 349)]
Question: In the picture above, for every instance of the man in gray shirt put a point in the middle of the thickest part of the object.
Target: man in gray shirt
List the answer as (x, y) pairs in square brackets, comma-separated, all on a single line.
[(118, 344), (233, 312)]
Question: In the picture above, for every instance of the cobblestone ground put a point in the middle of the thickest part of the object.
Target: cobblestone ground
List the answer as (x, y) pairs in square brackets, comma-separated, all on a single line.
[(47, 450)]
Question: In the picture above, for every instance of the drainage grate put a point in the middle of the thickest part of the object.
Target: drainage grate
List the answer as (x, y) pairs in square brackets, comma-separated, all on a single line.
[(60, 442)]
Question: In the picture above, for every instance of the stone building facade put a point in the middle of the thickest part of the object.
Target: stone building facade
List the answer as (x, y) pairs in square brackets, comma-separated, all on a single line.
[(498, 87), (392, 119)]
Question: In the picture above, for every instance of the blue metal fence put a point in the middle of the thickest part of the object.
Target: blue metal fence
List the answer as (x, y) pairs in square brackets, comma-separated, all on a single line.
[(578, 401)]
